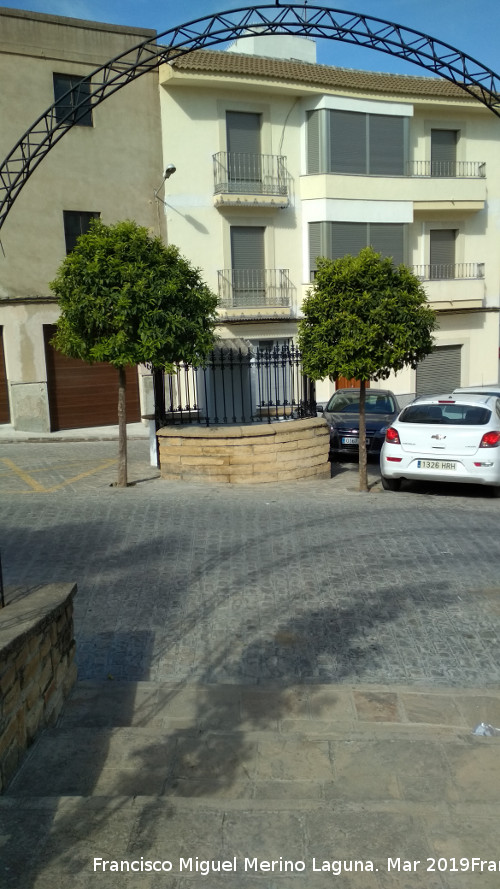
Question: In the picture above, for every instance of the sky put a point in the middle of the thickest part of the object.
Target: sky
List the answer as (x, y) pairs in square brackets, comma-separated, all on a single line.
[(473, 28)]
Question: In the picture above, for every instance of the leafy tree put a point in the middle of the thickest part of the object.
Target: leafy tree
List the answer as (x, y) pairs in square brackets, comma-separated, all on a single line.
[(128, 299), (363, 318)]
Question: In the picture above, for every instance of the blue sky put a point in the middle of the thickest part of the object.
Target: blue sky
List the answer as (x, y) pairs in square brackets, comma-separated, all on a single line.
[(473, 28)]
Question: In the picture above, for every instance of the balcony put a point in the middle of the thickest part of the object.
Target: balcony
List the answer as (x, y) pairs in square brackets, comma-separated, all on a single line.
[(449, 271), (425, 187), (452, 287), (446, 169), (268, 289), (250, 179)]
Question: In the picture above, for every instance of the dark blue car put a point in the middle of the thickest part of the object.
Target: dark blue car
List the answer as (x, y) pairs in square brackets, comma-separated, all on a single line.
[(342, 415)]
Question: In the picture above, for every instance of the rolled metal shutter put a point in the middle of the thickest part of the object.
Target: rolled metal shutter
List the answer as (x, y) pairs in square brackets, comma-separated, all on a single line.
[(440, 371), (443, 152), (315, 245), (313, 141), (386, 147), (348, 139), (387, 238), (83, 395), (346, 238), (248, 265)]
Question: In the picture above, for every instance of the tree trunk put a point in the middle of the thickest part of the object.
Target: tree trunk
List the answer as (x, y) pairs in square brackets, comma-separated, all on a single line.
[(122, 428), (363, 473)]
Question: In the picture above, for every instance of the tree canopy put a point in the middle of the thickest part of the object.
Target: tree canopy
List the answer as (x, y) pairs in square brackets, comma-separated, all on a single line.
[(364, 318), (127, 299)]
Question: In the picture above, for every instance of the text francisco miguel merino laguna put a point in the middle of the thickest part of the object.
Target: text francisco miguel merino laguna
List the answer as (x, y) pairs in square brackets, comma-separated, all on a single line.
[(256, 865)]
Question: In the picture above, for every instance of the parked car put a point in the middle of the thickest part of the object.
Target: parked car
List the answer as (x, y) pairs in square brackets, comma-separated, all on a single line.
[(444, 438), (342, 415), (492, 389)]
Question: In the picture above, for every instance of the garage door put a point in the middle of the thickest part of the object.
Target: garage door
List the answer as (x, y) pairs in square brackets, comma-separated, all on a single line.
[(83, 395), (440, 371), (4, 395)]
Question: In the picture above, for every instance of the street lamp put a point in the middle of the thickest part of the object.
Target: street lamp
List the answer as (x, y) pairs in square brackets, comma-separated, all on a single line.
[(169, 170)]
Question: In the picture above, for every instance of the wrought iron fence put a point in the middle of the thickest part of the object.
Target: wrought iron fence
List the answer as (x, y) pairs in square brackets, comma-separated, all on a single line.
[(240, 384), (241, 173)]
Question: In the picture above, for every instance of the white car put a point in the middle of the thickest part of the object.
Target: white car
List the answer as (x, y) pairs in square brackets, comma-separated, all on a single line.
[(444, 438)]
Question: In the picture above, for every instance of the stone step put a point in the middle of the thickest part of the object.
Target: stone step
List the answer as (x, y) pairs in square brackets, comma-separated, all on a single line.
[(310, 743)]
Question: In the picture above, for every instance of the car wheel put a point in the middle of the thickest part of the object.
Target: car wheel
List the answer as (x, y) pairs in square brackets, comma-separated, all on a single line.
[(391, 484)]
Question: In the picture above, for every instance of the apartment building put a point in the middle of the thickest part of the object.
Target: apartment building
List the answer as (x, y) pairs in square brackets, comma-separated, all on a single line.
[(278, 160), (109, 165)]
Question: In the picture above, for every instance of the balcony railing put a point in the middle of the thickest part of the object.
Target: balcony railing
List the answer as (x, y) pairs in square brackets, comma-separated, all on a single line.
[(254, 288), (447, 169), (258, 174), (450, 271)]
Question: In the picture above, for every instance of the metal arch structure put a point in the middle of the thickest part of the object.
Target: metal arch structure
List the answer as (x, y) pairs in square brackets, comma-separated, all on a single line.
[(440, 58)]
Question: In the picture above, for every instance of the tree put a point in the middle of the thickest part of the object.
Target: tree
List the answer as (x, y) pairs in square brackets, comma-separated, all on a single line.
[(128, 299), (364, 318)]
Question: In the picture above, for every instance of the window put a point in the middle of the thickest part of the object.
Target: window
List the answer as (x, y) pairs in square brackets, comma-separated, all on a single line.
[(244, 152), (336, 239), (76, 223), (350, 142), (248, 265), (444, 152), (442, 253), (82, 116)]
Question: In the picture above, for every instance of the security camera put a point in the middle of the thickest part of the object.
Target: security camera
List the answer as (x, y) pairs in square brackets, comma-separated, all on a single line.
[(169, 170)]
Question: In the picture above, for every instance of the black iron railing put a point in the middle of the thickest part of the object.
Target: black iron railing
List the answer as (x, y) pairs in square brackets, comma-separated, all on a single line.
[(254, 288), (257, 174), (237, 385)]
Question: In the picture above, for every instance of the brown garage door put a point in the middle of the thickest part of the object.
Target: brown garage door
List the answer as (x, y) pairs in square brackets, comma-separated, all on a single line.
[(4, 395), (82, 395)]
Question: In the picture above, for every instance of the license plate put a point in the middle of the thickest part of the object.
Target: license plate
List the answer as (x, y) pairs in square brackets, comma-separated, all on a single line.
[(353, 441), (436, 464)]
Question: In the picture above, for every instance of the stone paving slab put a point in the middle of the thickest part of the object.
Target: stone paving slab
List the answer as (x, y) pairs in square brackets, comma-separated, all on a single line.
[(381, 788)]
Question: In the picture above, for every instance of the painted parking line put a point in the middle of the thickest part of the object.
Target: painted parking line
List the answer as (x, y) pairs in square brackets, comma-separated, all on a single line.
[(37, 487)]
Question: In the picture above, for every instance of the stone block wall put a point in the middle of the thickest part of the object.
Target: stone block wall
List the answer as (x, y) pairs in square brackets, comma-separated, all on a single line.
[(254, 454), (37, 668)]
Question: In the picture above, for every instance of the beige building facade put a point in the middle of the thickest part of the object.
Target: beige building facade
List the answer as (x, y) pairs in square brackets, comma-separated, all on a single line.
[(278, 161), (108, 165), (345, 158)]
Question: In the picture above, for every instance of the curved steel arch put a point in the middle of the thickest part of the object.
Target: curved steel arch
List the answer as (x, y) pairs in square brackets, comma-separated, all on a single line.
[(299, 19)]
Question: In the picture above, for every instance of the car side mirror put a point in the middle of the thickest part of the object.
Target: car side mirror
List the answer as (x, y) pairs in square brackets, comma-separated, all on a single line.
[(319, 408)]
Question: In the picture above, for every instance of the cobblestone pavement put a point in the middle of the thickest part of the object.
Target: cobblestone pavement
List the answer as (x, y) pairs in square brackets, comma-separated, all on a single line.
[(289, 583)]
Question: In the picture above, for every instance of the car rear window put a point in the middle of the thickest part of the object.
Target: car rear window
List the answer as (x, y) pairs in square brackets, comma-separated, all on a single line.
[(348, 402), (451, 414)]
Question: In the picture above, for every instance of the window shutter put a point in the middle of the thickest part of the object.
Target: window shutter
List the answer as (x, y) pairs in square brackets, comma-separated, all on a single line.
[(313, 141), (315, 249), (386, 145), (248, 264), (247, 247), (346, 237), (443, 152), (440, 371), (347, 133), (387, 238), (442, 253), (243, 132)]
